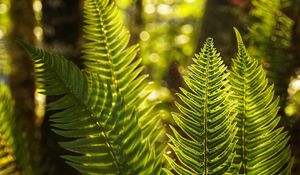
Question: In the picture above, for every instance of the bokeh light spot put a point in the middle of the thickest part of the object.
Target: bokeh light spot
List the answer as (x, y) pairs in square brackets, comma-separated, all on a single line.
[(164, 9), (187, 29), (154, 57), (150, 8), (144, 35), (1, 34), (182, 39), (3, 8), (37, 6), (38, 32)]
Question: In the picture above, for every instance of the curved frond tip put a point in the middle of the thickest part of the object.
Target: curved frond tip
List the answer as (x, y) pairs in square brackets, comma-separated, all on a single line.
[(263, 146)]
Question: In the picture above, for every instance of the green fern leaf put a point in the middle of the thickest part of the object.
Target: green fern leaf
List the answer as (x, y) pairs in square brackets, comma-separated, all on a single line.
[(106, 51), (207, 143), (15, 155), (7, 141), (262, 147), (104, 131), (270, 40)]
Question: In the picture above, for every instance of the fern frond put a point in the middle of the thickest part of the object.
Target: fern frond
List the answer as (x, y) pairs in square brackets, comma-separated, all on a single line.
[(24, 150), (207, 143), (105, 133), (106, 51), (15, 152), (262, 147), (270, 40), (7, 139), (4, 68)]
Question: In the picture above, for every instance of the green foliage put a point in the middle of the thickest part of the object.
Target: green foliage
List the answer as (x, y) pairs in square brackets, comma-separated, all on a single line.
[(7, 142), (270, 41), (106, 53), (168, 36), (213, 138), (227, 122), (18, 148), (103, 117), (263, 146), (4, 68), (15, 154), (207, 143), (104, 130)]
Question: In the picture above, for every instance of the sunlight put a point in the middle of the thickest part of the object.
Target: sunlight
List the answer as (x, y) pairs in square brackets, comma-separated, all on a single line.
[(154, 57), (187, 29), (294, 86), (153, 96), (168, 152), (40, 106), (37, 6), (150, 8), (3, 8), (144, 36), (1, 34), (189, 1), (38, 32), (182, 39), (164, 9)]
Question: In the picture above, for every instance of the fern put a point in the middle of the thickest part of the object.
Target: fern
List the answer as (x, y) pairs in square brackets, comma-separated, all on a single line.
[(15, 152), (270, 40), (7, 142), (207, 143), (223, 128), (104, 131), (262, 147), (112, 133), (3, 61), (106, 52), (19, 144)]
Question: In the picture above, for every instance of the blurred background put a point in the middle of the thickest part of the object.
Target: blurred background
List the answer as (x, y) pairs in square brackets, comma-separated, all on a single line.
[(169, 32)]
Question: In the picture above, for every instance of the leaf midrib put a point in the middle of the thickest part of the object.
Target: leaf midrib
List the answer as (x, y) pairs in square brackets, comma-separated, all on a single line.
[(205, 118), (107, 47), (244, 140)]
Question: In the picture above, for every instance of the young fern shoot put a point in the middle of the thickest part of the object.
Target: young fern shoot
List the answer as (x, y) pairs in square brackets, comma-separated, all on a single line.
[(263, 146), (206, 140)]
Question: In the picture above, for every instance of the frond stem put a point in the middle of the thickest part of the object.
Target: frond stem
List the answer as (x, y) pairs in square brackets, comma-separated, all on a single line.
[(244, 139), (107, 47), (205, 118)]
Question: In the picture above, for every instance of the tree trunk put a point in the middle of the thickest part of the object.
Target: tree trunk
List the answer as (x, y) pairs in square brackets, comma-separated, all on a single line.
[(218, 21), (22, 83), (21, 79), (61, 22), (136, 23)]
